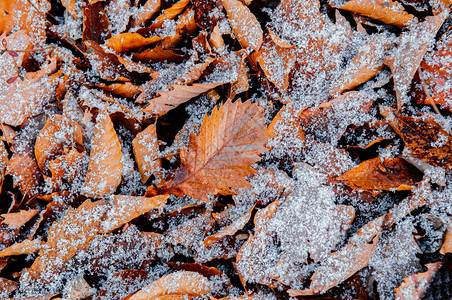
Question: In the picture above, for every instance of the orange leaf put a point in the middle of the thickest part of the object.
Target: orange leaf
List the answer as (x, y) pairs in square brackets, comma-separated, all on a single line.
[(145, 12), (17, 220), (222, 154), (145, 149), (25, 172), (3, 163), (378, 174), (68, 167), (415, 286), (157, 54), (407, 57), (105, 166), (127, 90), (123, 209), (178, 285), (388, 12), (425, 138), (169, 14), (365, 65), (276, 58), (70, 6), (128, 41), (244, 24), (178, 95), (340, 265), (186, 25), (58, 133), (24, 248), (65, 238), (21, 99), (447, 244)]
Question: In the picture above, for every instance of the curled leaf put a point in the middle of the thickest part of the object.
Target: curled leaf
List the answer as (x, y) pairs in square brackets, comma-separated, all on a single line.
[(128, 41), (145, 149)]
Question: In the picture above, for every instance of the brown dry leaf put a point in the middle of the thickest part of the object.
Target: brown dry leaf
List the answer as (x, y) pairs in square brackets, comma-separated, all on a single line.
[(176, 285), (123, 42), (145, 13), (3, 163), (216, 40), (377, 174), (170, 13), (58, 133), (96, 26), (415, 286), (342, 264), (388, 12), (194, 73), (407, 57), (24, 248), (425, 138), (126, 90), (17, 220), (70, 166), (107, 64), (244, 24), (169, 100), (21, 99), (276, 58), (241, 84), (21, 15), (289, 123), (70, 6), (186, 25), (158, 54), (123, 209), (447, 244), (365, 65), (146, 151), (251, 265), (73, 233), (229, 230), (105, 166), (26, 173), (222, 154)]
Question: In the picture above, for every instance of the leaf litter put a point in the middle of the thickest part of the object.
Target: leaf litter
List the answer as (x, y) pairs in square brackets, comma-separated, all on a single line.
[(229, 149)]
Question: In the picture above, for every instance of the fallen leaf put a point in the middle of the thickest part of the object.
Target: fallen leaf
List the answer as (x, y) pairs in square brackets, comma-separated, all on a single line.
[(177, 285), (222, 154), (3, 163), (340, 265), (170, 13), (7, 286), (58, 133), (389, 12), (169, 100), (69, 167), (127, 90), (245, 25), (124, 42), (447, 244), (71, 8), (415, 286), (25, 172), (365, 65), (378, 174), (105, 165), (425, 138), (146, 151), (123, 209), (406, 58), (17, 220), (185, 26), (96, 26), (24, 248), (145, 12), (158, 54)]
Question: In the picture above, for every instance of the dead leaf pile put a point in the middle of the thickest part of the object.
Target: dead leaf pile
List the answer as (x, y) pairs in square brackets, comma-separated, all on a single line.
[(233, 149)]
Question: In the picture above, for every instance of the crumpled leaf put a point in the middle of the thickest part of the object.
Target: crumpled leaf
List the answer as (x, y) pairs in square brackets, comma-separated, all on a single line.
[(175, 285), (407, 57), (425, 138), (105, 165), (245, 25), (124, 42), (415, 286), (389, 12), (382, 174), (24, 248), (169, 100), (58, 133), (146, 151), (351, 258), (222, 154)]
